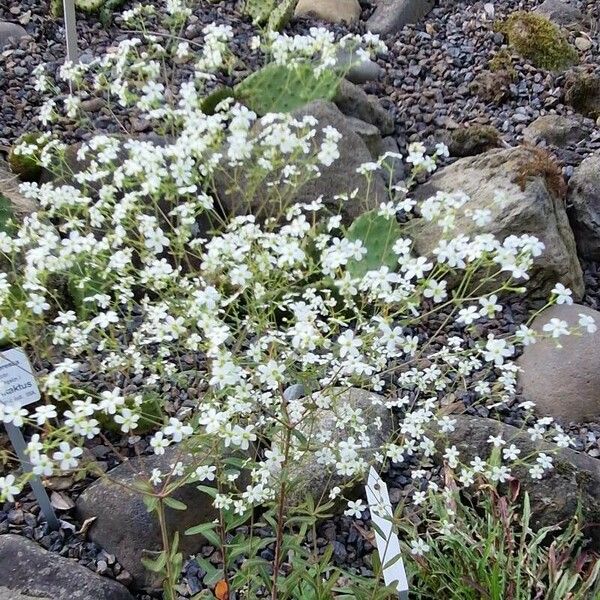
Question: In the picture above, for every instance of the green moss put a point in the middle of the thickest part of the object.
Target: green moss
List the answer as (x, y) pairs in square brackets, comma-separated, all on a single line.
[(502, 62), (583, 93), (469, 141), (27, 166), (6, 214), (539, 40)]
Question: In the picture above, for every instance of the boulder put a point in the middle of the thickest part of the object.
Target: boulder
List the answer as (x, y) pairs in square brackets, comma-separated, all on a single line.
[(338, 178), (126, 529), (391, 16), (360, 68), (9, 188), (583, 200), (563, 382), (554, 499), (562, 12), (531, 183), (353, 101), (333, 11), (28, 572), (318, 479), (556, 130), (10, 33)]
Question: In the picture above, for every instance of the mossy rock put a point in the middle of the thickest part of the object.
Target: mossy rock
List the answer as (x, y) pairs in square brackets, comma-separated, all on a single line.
[(582, 92), (539, 40), (27, 167)]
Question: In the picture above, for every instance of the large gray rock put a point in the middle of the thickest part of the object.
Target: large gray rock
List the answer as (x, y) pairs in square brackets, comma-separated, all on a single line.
[(391, 16), (536, 209), (562, 12), (584, 207), (563, 382), (9, 188), (353, 101), (334, 11), (28, 572), (556, 130), (338, 178), (126, 529), (555, 498), (10, 33), (307, 474)]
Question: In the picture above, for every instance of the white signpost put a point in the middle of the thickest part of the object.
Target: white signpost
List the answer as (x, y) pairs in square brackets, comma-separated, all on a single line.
[(71, 30), (388, 544), (18, 387)]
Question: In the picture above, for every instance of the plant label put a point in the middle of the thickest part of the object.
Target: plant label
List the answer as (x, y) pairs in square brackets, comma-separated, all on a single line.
[(388, 544), (17, 382), (19, 387), (71, 30)]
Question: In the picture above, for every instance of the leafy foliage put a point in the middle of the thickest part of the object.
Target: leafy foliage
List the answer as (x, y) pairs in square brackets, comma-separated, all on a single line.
[(273, 13), (491, 551)]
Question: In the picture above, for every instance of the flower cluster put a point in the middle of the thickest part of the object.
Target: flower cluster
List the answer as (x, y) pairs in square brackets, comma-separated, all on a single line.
[(137, 264)]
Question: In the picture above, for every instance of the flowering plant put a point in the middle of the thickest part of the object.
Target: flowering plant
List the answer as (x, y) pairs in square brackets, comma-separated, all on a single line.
[(135, 268)]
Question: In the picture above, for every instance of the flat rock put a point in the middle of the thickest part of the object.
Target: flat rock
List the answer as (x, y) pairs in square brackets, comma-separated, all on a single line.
[(562, 12), (28, 572), (536, 209), (554, 499), (563, 382), (333, 11), (125, 528), (10, 33), (556, 130), (392, 15), (584, 207)]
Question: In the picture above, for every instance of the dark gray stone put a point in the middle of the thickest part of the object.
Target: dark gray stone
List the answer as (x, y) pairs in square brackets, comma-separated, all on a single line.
[(28, 572), (392, 15), (10, 33), (353, 101), (557, 130), (126, 529), (583, 200), (563, 13)]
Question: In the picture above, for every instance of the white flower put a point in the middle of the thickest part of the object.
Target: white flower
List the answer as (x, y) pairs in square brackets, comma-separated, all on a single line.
[(544, 461), (355, 509), (511, 453), (8, 488), (67, 456), (563, 294), (206, 473), (497, 350), (588, 323), (158, 442), (419, 547), (496, 440), (556, 327)]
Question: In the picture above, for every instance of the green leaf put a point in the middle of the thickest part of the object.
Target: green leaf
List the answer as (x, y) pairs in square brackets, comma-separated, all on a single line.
[(284, 88), (175, 504), (378, 234), (207, 530), (280, 16), (6, 214), (156, 565)]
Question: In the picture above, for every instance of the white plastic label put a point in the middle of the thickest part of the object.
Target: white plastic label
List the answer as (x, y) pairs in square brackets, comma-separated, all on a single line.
[(17, 382), (388, 544)]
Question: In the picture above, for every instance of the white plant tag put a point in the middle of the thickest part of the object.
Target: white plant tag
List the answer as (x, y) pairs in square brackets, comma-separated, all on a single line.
[(388, 544), (17, 382)]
